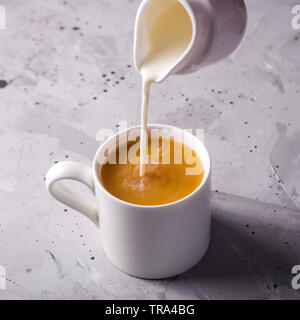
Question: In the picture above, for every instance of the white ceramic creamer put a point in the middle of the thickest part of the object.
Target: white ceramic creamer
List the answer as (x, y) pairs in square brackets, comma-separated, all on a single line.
[(181, 36), (218, 27)]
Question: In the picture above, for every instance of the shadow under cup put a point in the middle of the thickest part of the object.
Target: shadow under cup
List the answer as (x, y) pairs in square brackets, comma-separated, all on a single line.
[(155, 241)]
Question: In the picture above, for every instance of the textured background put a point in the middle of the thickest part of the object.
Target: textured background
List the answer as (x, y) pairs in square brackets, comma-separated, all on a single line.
[(66, 71)]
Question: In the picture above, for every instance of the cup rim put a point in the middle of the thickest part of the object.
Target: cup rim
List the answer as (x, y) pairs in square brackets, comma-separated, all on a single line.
[(159, 126)]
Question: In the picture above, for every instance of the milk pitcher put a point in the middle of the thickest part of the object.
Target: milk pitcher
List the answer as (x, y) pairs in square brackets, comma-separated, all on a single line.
[(218, 28)]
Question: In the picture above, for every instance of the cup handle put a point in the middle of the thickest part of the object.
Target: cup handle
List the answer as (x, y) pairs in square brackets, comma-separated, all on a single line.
[(69, 170)]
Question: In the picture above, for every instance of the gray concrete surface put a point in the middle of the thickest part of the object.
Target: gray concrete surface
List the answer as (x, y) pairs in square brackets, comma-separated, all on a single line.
[(53, 100)]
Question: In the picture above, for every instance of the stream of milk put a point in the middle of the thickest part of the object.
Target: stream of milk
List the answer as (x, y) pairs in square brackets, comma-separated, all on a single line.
[(169, 36)]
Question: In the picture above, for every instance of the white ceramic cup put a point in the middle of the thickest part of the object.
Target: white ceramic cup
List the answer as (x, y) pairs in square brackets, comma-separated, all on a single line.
[(150, 242)]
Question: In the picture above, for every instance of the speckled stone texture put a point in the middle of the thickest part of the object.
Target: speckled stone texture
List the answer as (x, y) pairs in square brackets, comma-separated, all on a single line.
[(66, 71)]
